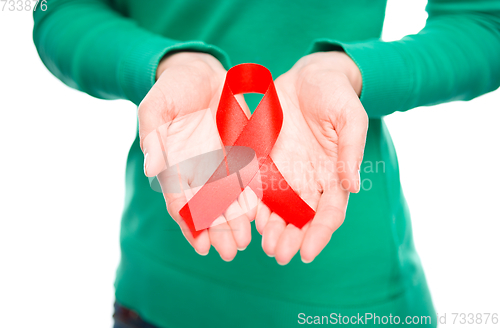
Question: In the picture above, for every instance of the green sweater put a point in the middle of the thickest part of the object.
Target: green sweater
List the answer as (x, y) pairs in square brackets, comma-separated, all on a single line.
[(110, 49)]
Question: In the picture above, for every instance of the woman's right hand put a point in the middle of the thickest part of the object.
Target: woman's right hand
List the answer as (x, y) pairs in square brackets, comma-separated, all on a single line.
[(187, 83)]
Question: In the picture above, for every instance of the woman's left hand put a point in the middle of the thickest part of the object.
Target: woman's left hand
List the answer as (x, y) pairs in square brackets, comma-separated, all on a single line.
[(319, 151)]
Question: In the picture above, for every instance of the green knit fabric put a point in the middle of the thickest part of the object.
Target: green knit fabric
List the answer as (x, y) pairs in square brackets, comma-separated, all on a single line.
[(110, 49)]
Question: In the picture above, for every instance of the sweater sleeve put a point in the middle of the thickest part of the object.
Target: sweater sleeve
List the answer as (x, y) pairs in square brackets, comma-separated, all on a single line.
[(456, 56), (91, 47)]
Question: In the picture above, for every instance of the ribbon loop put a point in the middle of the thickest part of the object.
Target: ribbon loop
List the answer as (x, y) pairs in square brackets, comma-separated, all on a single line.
[(259, 133)]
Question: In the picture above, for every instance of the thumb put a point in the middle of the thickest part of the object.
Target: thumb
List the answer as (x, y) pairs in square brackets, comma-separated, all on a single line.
[(352, 138), (153, 113)]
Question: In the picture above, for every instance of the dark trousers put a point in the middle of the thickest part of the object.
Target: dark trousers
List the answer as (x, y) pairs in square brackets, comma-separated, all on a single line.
[(125, 318)]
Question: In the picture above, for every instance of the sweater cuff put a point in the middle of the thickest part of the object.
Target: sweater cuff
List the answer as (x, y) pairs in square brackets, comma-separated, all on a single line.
[(387, 80), (137, 68)]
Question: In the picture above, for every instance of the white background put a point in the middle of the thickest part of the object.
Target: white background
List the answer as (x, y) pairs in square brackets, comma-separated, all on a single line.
[(62, 170)]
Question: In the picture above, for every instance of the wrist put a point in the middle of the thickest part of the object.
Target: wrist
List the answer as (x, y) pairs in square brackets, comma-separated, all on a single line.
[(197, 59), (334, 61), (353, 73)]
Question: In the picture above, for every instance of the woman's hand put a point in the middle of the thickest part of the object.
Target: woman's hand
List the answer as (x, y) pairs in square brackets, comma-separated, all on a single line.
[(173, 111), (319, 151)]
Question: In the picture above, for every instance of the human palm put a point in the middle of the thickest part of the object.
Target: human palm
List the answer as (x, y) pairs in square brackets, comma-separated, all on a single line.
[(176, 125), (319, 151)]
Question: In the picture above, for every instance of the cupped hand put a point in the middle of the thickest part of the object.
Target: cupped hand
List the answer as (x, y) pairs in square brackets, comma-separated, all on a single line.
[(173, 123), (319, 151)]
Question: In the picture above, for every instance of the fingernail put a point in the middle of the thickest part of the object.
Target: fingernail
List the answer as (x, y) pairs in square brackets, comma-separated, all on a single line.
[(262, 244), (200, 253), (241, 249), (146, 164), (282, 264), (305, 260), (227, 260)]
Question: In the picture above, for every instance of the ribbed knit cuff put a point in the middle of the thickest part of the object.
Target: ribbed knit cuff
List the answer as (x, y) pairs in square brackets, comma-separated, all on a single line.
[(387, 80), (137, 69)]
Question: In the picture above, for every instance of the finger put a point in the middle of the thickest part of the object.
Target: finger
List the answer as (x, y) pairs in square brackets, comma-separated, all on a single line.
[(175, 202), (152, 144), (154, 111), (289, 243), (248, 201), (262, 216), (241, 229), (352, 138), (329, 217), (239, 224), (222, 239), (272, 232), (201, 243)]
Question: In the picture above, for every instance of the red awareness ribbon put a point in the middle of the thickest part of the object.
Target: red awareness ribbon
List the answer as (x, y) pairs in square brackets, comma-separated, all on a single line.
[(259, 133)]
